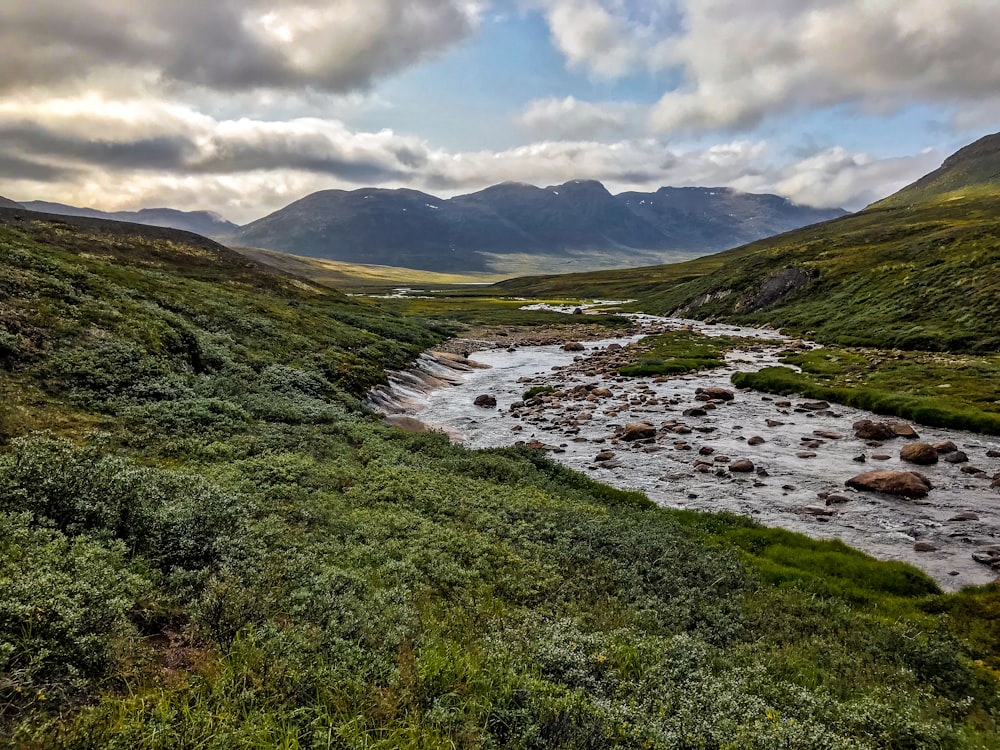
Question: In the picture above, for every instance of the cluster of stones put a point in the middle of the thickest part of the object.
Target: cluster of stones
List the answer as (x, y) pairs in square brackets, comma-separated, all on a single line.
[(565, 410)]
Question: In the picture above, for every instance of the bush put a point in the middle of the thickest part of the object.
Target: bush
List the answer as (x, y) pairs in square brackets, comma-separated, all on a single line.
[(64, 607)]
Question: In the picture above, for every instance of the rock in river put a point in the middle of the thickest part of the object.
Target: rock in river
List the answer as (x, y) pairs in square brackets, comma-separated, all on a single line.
[(866, 429), (742, 465), (919, 453), (902, 483), (721, 394), (638, 431), (486, 401)]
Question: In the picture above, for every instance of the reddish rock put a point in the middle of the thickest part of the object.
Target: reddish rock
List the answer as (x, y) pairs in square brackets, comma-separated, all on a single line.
[(756, 440), (902, 483), (742, 465), (485, 401), (866, 429), (828, 434), (574, 346), (904, 431), (921, 454), (638, 431), (946, 447)]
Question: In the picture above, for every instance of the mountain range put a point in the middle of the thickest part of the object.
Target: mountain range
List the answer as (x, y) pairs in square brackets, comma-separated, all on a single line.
[(204, 223), (917, 270), (514, 226), (8, 203)]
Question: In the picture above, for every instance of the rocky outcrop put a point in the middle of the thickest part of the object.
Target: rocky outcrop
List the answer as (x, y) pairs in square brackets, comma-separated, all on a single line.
[(787, 281), (901, 483)]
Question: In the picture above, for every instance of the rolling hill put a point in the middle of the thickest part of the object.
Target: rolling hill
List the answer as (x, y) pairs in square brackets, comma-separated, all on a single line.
[(205, 223), (515, 227), (920, 269), (8, 203)]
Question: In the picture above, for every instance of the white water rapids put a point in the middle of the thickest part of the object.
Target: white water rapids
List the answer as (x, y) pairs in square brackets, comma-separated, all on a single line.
[(960, 516)]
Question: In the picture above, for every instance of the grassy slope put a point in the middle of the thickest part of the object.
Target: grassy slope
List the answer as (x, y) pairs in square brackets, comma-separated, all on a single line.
[(240, 557), (353, 275), (920, 270)]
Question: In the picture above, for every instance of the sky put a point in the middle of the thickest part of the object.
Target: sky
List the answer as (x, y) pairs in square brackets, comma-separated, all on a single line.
[(242, 106)]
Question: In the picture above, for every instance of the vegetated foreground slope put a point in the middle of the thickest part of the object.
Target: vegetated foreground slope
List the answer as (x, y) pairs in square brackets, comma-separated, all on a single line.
[(206, 542), (919, 270), (513, 226)]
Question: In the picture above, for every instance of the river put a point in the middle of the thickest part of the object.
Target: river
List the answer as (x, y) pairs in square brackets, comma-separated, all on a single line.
[(938, 534)]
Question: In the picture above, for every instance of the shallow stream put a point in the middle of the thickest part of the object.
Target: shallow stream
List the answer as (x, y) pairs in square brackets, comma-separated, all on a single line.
[(960, 516)]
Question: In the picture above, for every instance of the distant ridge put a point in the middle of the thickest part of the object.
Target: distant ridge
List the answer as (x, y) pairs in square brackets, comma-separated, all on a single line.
[(918, 270), (8, 203), (577, 224), (200, 222)]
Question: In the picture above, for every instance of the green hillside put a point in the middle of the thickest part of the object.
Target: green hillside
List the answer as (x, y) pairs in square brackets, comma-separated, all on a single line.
[(919, 270), (207, 542)]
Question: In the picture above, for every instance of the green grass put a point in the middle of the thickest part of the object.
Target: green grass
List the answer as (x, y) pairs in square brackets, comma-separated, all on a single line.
[(939, 390), (678, 352), (218, 547)]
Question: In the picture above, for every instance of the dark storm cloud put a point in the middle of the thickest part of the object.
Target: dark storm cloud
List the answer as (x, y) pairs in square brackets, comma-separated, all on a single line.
[(17, 168), (147, 153), (331, 45)]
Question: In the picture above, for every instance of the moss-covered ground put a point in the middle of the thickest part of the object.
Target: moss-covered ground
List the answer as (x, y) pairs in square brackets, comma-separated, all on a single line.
[(679, 352), (207, 542), (941, 390)]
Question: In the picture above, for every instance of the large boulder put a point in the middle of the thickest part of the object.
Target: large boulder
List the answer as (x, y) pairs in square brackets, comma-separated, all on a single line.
[(901, 483), (485, 401), (742, 465), (638, 431), (922, 454), (574, 346)]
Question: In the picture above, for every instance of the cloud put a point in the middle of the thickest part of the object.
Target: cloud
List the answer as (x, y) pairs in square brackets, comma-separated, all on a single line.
[(126, 154), (591, 36), (740, 61), (330, 45), (573, 119), (745, 61)]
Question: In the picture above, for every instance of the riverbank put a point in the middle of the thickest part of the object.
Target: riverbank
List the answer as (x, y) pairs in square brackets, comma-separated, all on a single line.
[(799, 457)]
